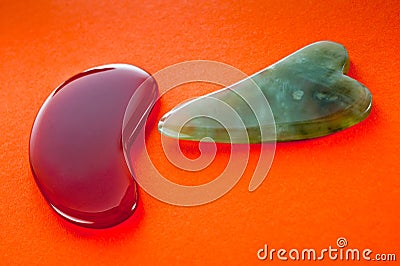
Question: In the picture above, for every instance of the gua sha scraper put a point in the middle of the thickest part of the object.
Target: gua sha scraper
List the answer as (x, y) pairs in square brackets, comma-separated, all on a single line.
[(308, 93), (76, 151)]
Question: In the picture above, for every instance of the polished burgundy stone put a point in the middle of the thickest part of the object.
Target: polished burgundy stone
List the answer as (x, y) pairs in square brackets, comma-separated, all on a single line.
[(76, 152)]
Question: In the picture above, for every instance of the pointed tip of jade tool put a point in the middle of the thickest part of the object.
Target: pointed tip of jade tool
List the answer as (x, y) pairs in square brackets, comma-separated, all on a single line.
[(308, 93)]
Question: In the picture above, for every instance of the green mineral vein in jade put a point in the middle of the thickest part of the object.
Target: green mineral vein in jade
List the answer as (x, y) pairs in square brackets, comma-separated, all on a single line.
[(308, 92)]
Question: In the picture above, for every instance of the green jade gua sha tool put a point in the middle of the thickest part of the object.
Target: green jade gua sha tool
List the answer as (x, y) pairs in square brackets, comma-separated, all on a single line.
[(308, 93)]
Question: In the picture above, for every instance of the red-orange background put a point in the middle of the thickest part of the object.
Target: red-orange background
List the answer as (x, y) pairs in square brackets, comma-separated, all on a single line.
[(346, 184)]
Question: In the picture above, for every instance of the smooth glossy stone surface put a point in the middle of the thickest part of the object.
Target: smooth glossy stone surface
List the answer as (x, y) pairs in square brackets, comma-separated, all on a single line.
[(76, 150), (307, 91)]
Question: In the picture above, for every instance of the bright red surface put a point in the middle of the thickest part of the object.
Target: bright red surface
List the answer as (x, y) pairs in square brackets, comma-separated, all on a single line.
[(346, 184)]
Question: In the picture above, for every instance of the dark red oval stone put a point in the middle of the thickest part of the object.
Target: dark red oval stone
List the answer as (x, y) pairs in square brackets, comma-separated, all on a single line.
[(76, 152)]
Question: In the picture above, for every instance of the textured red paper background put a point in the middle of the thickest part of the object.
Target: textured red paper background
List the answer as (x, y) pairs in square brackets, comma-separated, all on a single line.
[(346, 184)]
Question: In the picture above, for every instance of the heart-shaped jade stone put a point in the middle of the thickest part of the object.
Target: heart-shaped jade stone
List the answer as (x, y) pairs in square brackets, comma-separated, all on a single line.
[(308, 92)]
